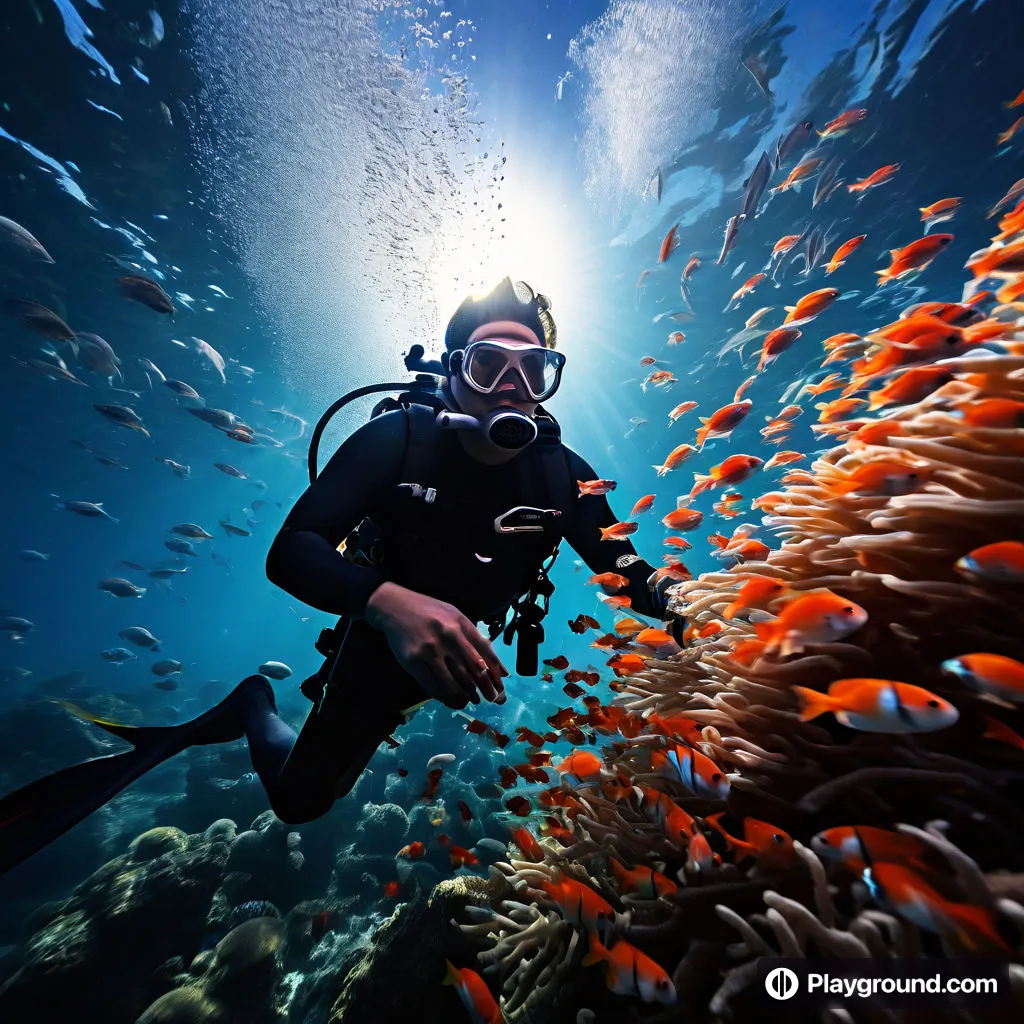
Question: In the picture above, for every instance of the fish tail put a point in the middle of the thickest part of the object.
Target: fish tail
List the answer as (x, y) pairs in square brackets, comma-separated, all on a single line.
[(731, 611), (451, 974), (812, 703), (597, 951)]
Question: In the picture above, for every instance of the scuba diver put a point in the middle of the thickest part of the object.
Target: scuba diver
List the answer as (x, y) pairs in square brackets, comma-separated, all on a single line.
[(444, 510)]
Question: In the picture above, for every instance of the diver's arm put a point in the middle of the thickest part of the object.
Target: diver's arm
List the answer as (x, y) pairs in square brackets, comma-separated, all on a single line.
[(304, 559), (591, 512)]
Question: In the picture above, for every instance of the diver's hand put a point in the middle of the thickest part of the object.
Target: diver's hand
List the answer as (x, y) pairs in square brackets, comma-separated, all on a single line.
[(437, 645)]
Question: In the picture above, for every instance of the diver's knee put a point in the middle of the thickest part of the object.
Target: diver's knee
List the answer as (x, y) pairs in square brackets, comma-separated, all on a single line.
[(300, 808)]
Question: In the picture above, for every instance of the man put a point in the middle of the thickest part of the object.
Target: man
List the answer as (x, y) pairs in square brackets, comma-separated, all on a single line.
[(410, 566)]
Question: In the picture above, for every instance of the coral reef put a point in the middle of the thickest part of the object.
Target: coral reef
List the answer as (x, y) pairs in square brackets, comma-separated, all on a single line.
[(719, 808)]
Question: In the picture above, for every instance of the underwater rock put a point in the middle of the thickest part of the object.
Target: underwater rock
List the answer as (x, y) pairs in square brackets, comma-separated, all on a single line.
[(383, 825), (188, 1005), (389, 983), (156, 842)]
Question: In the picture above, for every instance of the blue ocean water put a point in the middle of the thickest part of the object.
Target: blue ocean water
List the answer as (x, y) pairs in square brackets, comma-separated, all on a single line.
[(317, 185)]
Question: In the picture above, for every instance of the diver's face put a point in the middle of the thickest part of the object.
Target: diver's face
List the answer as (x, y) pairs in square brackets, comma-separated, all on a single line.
[(509, 392)]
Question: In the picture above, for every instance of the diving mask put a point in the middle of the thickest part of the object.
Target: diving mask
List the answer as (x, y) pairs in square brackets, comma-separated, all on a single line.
[(500, 365)]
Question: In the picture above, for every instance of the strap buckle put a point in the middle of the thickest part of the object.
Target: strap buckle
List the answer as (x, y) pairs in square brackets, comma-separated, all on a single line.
[(525, 519), (428, 494)]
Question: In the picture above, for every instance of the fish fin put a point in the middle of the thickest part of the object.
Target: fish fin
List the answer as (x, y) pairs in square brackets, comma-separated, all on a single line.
[(597, 951), (812, 703), (452, 974), (704, 419), (790, 309)]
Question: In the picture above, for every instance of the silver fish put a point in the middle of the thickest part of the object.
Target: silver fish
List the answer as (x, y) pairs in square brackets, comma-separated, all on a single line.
[(731, 228), (97, 356), (214, 357), (166, 574), (191, 530), (814, 251), (179, 387), (30, 555), (12, 232), (123, 416), (180, 547), (119, 587), (231, 530), (828, 181), (49, 369), (151, 368), (226, 467), (275, 670), (118, 655), (85, 508), (177, 467), (220, 418), (167, 667), (798, 135), (755, 186), (15, 626), (140, 637)]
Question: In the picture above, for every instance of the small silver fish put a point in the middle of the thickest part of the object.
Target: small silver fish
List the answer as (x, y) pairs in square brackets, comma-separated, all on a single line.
[(166, 574), (179, 546), (231, 530), (140, 637), (731, 228), (13, 233), (118, 655), (167, 667), (755, 186), (85, 508), (179, 470), (191, 530), (275, 670), (15, 626), (798, 135), (30, 555), (119, 587), (123, 416), (230, 470)]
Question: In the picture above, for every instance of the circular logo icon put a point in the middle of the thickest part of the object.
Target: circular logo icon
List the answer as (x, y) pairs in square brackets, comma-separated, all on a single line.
[(782, 983)]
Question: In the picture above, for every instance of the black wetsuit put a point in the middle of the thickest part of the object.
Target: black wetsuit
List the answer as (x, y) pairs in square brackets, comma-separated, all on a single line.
[(365, 690)]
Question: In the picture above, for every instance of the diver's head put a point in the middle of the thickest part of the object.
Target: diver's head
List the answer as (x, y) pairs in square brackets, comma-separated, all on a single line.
[(499, 351)]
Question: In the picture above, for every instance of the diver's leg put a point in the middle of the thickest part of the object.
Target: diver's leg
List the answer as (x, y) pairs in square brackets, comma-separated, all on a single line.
[(36, 814), (363, 704)]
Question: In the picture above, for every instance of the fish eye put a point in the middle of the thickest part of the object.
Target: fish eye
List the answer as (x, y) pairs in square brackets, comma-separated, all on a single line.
[(911, 476), (776, 838), (717, 777), (662, 983), (848, 611), (933, 703)]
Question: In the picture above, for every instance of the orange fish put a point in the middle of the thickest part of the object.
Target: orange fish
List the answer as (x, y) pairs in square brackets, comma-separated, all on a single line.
[(817, 618), (811, 304), (1013, 290), (648, 361), (391, 890), (698, 632), (460, 857), (878, 432), (833, 380), (595, 486), (998, 260), (630, 972), (997, 413), (775, 343), (558, 662), (682, 407), (749, 550), (629, 626), (618, 531), (746, 652), (744, 289), (700, 858), (742, 389), (878, 705), (674, 822), (839, 257), (643, 505), (669, 244), (675, 458), (475, 995), (883, 477), (643, 880), (616, 601), (691, 268), (609, 581), (627, 664), (938, 212), (860, 846), (723, 421), (843, 123), (838, 409), (683, 519), (581, 763), (579, 904), (678, 542), (693, 769), (757, 592), (801, 172), (1018, 101), (920, 904), (734, 470), (910, 386), (1002, 562), (1010, 132), (875, 178), (838, 341), (915, 256), (652, 637), (784, 244), (770, 845), (990, 673), (413, 851), (996, 730)]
